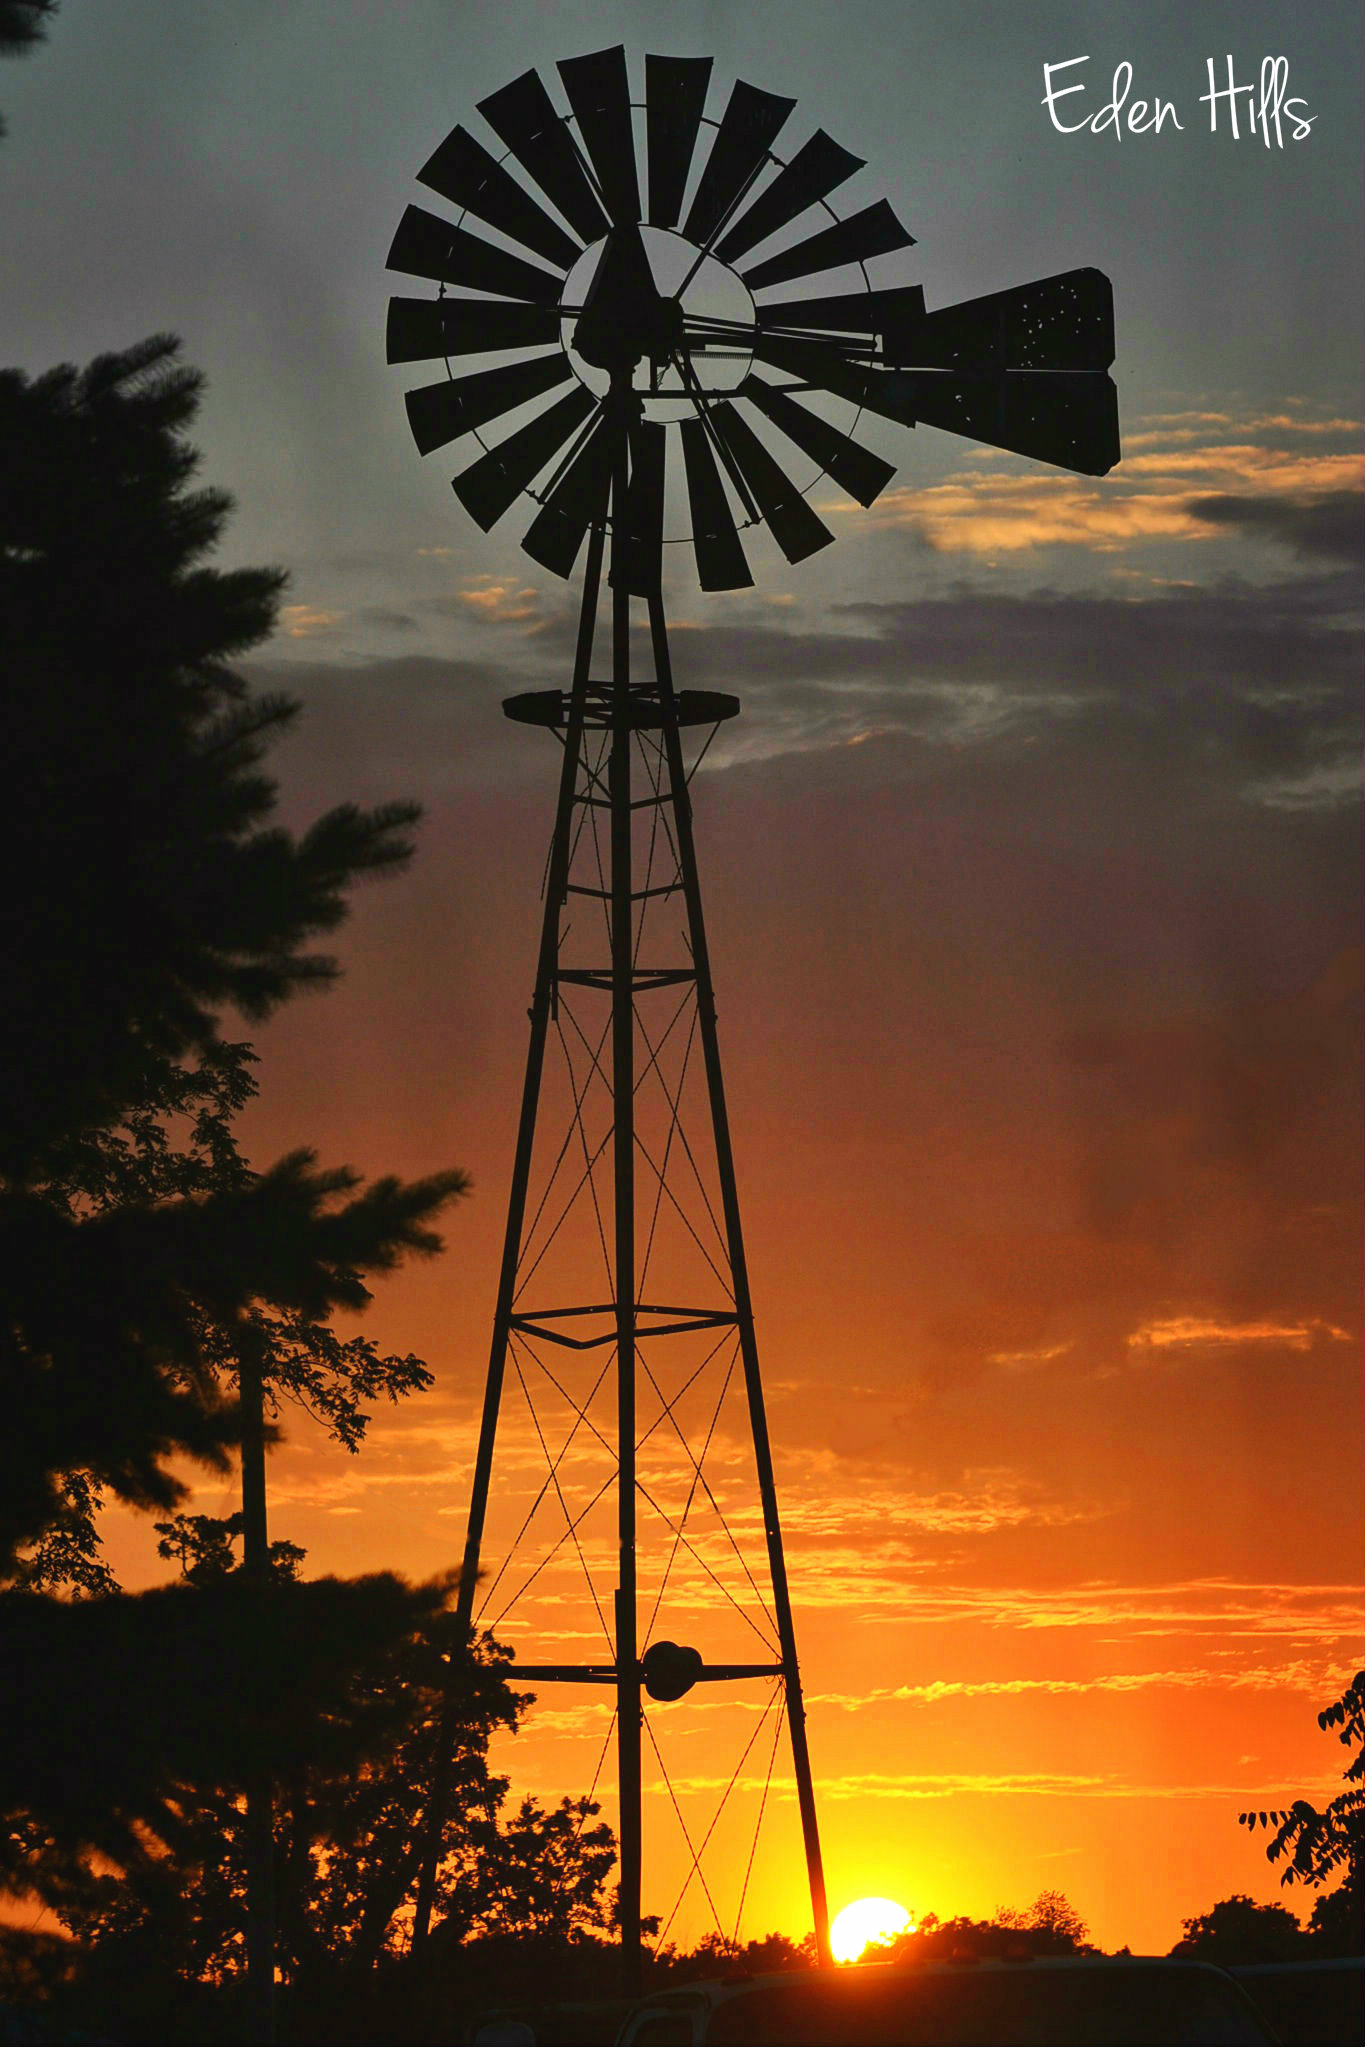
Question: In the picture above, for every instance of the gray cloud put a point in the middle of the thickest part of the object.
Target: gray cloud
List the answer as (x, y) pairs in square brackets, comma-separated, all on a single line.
[(388, 618), (1245, 691), (1255, 684), (1329, 527)]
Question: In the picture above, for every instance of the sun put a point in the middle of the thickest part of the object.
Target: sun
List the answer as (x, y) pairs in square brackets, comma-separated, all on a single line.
[(867, 1923)]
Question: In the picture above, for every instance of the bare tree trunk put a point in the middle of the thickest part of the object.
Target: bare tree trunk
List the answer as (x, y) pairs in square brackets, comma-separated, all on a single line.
[(260, 1798)]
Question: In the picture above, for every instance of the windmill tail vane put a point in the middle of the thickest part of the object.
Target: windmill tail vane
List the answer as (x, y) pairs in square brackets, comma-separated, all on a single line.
[(676, 336)]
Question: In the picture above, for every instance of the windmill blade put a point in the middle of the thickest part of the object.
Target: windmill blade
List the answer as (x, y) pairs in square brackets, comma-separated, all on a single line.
[(577, 500), (599, 93), (715, 537), (438, 413), (797, 529), (817, 168), (854, 468), (492, 484), (848, 312), (523, 114), (873, 232), (748, 128), (637, 546), (419, 330), (463, 171), (1057, 323), (675, 95), (1067, 418), (426, 246)]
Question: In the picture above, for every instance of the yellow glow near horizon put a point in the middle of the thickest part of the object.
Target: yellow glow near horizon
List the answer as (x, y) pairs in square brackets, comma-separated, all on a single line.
[(866, 1924)]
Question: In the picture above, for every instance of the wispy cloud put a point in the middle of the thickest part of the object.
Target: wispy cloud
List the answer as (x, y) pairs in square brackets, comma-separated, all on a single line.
[(1003, 513), (881, 1785), (1000, 514), (1213, 1608), (1024, 1361), (1165, 429), (497, 602), (1301, 1675), (306, 621), (985, 1502), (1279, 469), (1188, 1331), (1037, 1785), (990, 508)]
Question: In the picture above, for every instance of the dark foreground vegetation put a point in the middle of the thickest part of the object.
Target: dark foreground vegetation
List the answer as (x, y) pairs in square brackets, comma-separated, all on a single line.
[(564, 1989)]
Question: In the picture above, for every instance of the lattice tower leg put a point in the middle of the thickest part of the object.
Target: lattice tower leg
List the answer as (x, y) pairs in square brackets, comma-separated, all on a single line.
[(621, 709)]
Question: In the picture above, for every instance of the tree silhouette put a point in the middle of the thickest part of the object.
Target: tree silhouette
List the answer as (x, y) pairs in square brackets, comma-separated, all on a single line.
[(116, 1709), (160, 1294), (1051, 1926), (134, 1822), (1329, 1843), (22, 25), (346, 1723), (155, 890), (179, 1144), (202, 1546), (1238, 1930), (718, 1955), (538, 1874)]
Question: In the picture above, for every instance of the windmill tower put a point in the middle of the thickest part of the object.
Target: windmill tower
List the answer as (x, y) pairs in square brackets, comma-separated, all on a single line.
[(645, 325)]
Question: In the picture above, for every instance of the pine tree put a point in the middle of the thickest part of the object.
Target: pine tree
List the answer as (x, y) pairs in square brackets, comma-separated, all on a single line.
[(146, 890)]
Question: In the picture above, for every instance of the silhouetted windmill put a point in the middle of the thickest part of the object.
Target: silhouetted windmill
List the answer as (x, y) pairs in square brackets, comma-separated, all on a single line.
[(639, 331)]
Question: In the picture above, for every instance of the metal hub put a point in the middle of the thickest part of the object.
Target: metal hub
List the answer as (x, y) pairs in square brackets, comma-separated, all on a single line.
[(625, 317)]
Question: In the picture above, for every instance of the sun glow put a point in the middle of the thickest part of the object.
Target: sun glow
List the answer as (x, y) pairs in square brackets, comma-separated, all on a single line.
[(867, 1923)]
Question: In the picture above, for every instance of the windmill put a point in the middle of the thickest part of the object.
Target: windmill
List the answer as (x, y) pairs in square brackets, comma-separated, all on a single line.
[(660, 359)]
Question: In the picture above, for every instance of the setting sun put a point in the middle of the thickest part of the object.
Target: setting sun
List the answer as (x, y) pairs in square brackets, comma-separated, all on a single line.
[(867, 1923)]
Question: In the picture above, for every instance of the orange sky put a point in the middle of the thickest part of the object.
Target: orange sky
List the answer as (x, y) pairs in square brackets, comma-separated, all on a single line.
[(1039, 1017)]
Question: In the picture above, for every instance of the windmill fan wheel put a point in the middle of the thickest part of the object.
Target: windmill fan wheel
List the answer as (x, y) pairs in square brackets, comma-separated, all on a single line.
[(637, 311)]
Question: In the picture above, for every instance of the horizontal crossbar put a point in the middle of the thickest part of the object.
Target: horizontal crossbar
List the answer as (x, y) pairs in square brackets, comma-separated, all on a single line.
[(605, 1674), (644, 977), (636, 895), (642, 1308), (528, 1328)]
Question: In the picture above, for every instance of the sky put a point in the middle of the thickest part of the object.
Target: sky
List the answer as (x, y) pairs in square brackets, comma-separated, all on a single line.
[(1032, 880)]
